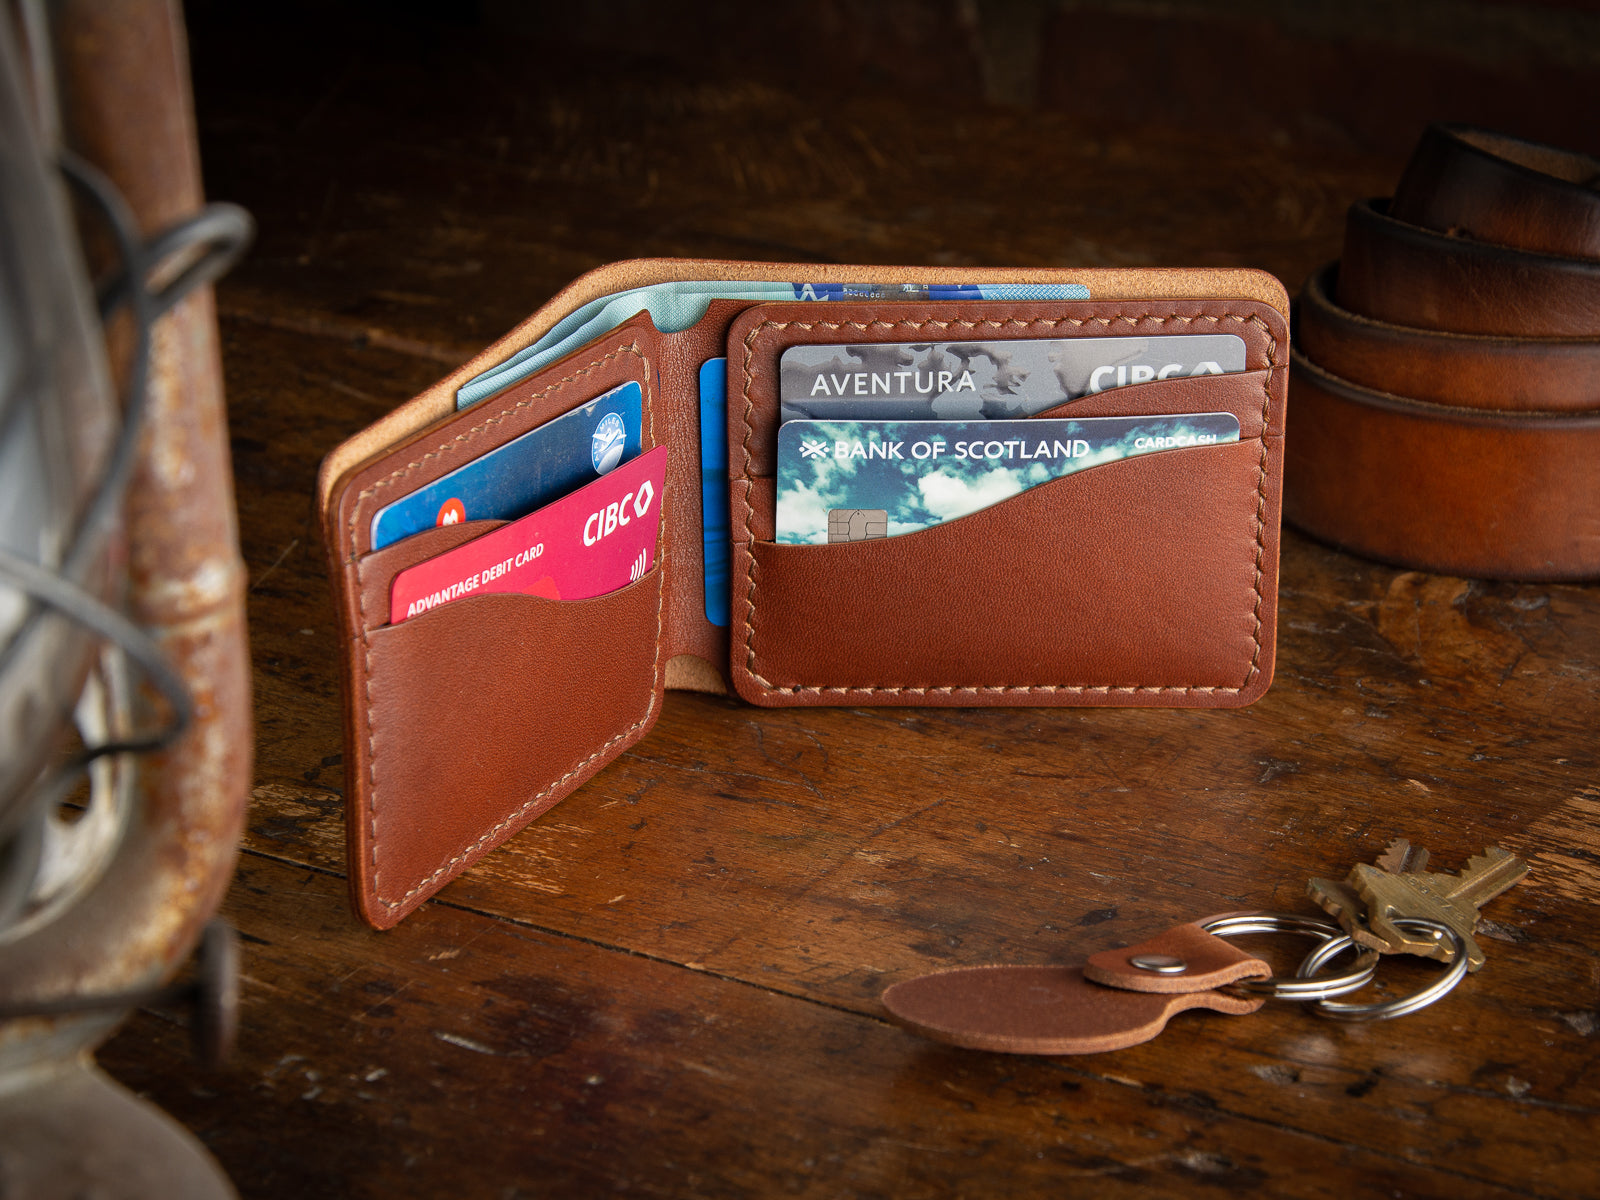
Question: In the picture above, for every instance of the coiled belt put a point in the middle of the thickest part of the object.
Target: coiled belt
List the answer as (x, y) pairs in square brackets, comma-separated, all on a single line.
[(1445, 394)]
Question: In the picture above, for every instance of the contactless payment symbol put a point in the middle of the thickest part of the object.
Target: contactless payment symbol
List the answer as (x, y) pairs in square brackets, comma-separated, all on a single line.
[(605, 448), (451, 512)]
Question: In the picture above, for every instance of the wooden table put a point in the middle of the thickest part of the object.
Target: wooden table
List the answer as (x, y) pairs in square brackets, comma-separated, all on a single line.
[(669, 985)]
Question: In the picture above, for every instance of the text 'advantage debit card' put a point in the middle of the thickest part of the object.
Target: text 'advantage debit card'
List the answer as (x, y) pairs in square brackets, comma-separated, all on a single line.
[(844, 481), (597, 539)]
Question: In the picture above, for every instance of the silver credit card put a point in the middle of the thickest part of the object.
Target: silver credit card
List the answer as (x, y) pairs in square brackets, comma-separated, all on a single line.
[(964, 381)]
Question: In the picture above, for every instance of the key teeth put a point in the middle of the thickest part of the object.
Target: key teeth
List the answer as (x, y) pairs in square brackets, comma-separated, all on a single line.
[(1401, 859), (1495, 859), (1393, 858), (1342, 902), (1326, 894)]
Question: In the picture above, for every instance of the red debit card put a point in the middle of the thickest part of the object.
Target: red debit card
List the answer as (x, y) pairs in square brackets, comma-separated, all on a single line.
[(595, 540)]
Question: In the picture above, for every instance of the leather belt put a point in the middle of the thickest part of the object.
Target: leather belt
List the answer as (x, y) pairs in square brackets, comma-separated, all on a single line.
[(1445, 394), (1502, 190), (1413, 276), (1461, 369), (1463, 491)]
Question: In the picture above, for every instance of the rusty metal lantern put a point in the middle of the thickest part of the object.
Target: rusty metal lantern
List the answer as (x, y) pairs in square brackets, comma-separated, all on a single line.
[(121, 593)]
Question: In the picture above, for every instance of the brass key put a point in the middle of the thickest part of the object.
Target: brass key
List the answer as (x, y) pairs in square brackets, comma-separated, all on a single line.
[(1399, 884), (1438, 896)]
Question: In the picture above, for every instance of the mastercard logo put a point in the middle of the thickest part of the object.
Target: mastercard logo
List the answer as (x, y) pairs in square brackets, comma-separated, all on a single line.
[(453, 512)]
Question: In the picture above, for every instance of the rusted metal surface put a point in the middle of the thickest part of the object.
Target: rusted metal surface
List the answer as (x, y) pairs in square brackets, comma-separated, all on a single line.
[(123, 75), (137, 1151)]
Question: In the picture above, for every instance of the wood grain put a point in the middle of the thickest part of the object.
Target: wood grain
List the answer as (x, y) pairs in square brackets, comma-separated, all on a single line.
[(475, 1056), (669, 985)]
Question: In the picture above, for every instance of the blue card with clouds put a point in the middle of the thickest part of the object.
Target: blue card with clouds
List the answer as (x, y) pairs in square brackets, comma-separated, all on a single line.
[(526, 473), (847, 481)]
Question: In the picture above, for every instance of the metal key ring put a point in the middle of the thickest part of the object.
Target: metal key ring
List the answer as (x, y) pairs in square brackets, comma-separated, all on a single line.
[(1384, 1009), (1298, 986)]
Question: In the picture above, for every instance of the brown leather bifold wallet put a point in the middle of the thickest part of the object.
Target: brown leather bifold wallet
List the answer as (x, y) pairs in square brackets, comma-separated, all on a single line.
[(1151, 580)]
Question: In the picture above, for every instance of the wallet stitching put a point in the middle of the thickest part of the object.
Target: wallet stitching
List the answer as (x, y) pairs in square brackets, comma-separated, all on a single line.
[(1008, 689), (372, 759), (462, 438)]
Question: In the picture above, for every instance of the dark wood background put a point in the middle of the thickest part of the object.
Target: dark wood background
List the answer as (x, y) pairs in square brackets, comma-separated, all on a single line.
[(669, 985)]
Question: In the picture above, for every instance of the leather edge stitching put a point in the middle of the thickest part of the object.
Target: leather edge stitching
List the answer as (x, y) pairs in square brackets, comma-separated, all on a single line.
[(501, 415), (390, 906), (1009, 689)]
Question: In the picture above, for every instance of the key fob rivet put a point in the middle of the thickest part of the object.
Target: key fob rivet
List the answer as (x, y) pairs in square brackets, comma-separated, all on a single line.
[(1159, 964)]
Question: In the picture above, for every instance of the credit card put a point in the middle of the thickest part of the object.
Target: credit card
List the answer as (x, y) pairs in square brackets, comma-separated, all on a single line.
[(598, 539), (714, 487), (953, 381), (516, 478), (843, 481), (679, 304)]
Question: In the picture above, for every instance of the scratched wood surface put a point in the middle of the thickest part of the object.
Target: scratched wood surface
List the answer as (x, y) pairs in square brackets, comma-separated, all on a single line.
[(669, 985)]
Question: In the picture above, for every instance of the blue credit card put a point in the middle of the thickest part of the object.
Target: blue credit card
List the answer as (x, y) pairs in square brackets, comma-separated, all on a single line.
[(526, 473), (851, 481), (714, 486)]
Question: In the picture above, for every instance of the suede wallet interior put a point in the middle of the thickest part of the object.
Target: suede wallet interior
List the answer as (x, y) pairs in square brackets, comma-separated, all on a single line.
[(1146, 581)]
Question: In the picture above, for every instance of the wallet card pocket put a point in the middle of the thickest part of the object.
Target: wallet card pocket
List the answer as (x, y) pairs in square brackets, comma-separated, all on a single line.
[(465, 721), (1148, 580), (477, 716), (1135, 582)]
